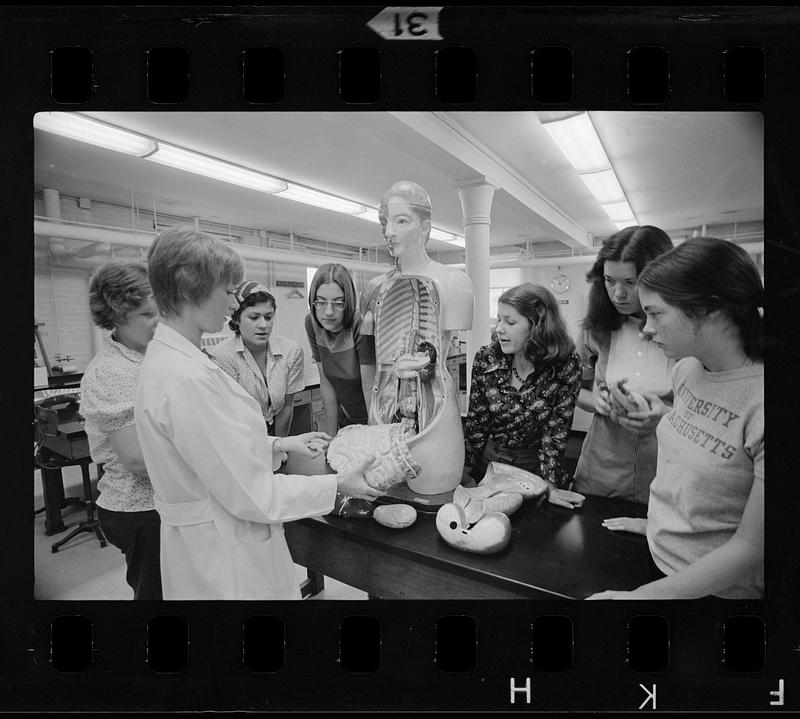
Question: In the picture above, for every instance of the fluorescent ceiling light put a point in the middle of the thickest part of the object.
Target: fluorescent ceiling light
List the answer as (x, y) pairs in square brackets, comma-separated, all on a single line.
[(604, 186), (371, 214), (438, 234), (577, 139), (216, 169), (619, 212), (84, 129), (624, 225), (321, 199)]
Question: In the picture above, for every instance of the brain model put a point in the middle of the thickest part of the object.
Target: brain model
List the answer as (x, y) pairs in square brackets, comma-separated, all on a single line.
[(386, 442)]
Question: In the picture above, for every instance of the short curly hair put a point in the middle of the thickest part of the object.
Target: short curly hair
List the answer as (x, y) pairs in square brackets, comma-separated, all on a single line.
[(117, 289)]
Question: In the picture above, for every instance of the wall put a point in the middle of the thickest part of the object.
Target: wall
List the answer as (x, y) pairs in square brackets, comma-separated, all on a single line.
[(61, 301), (572, 302)]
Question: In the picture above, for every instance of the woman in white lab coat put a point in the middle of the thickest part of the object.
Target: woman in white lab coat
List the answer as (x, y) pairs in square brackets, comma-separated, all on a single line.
[(203, 441)]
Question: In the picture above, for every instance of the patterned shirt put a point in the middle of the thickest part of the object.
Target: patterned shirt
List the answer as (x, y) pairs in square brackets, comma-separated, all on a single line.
[(284, 370), (108, 389), (538, 414)]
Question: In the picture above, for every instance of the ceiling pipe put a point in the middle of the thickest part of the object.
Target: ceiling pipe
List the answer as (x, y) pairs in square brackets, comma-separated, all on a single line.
[(144, 239)]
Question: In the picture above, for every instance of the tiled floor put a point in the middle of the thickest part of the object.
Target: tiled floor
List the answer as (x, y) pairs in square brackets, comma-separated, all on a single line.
[(81, 569)]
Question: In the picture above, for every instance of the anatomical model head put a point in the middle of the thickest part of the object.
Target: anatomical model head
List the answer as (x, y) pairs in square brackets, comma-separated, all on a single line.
[(405, 215)]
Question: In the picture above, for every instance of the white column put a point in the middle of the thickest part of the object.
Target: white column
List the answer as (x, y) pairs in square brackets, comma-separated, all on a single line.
[(476, 204)]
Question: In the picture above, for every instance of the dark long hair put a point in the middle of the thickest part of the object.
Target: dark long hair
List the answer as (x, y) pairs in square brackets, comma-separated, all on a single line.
[(549, 344), (705, 274), (336, 274), (636, 244)]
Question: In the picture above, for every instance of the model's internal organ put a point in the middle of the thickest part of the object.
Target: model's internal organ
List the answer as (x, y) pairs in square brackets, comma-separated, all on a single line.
[(395, 516), (622, 398), (421, 363), (491, 534), (387, 443), (501, 477), (472, 521), (412, 385), (477, 507)]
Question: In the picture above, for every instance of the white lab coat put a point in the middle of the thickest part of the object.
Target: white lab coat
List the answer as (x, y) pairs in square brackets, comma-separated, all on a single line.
[(210, 461)]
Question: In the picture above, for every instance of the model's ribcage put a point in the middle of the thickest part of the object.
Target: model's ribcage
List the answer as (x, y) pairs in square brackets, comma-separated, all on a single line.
[(407, 315)]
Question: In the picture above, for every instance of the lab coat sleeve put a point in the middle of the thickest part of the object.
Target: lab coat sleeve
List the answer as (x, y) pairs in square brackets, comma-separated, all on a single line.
[(221, 438)]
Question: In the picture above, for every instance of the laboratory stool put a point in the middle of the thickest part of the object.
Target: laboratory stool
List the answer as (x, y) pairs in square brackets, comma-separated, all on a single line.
[(91, 523)]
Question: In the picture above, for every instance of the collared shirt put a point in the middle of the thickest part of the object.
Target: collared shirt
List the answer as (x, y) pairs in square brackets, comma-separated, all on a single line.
[(108, 388), (537, 415), (627, 354), (212, 469), (284, 370)]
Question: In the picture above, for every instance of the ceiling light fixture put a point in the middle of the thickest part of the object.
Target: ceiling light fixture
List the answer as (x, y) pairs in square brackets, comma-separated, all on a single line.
[(578, 140), (604, 185), (216, 169), (81, 128), (85, 129), (298, 193), (444, 236), (619, 212), (370, 214), (625, 225)]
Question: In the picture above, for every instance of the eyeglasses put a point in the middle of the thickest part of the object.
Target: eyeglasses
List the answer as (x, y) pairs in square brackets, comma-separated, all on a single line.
[(338, 305)]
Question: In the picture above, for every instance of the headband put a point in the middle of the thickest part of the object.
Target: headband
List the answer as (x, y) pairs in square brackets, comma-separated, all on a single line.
[(246, 288)]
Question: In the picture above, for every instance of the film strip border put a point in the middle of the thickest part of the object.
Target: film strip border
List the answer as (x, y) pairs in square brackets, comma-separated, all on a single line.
[(455, 655), (463, 58), (264, 75), (389, 655)]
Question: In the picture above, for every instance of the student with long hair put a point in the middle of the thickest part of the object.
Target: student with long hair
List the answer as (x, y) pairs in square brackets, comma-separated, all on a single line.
[(523, 390), (705, 518), (618, 456), (345, 357)]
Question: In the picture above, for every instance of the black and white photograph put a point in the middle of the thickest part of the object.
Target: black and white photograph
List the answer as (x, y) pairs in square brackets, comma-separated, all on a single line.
[(363, 355)]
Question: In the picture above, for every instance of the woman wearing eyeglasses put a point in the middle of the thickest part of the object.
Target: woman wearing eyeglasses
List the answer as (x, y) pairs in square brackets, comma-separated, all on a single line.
[(345, 357), (267, 365)]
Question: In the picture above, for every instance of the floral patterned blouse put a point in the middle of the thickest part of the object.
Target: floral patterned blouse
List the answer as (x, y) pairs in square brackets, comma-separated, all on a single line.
[(538, 413)]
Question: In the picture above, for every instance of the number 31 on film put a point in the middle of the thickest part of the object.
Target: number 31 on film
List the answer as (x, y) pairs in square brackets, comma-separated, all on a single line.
[(407, 23)]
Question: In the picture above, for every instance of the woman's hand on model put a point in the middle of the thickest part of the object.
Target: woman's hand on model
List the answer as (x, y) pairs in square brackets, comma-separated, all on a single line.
[(637, 525), (310, 444), (646, 421), (353, 483)]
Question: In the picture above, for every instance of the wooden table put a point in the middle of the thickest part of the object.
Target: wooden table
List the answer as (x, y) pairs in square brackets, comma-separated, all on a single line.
[(554, 553)]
